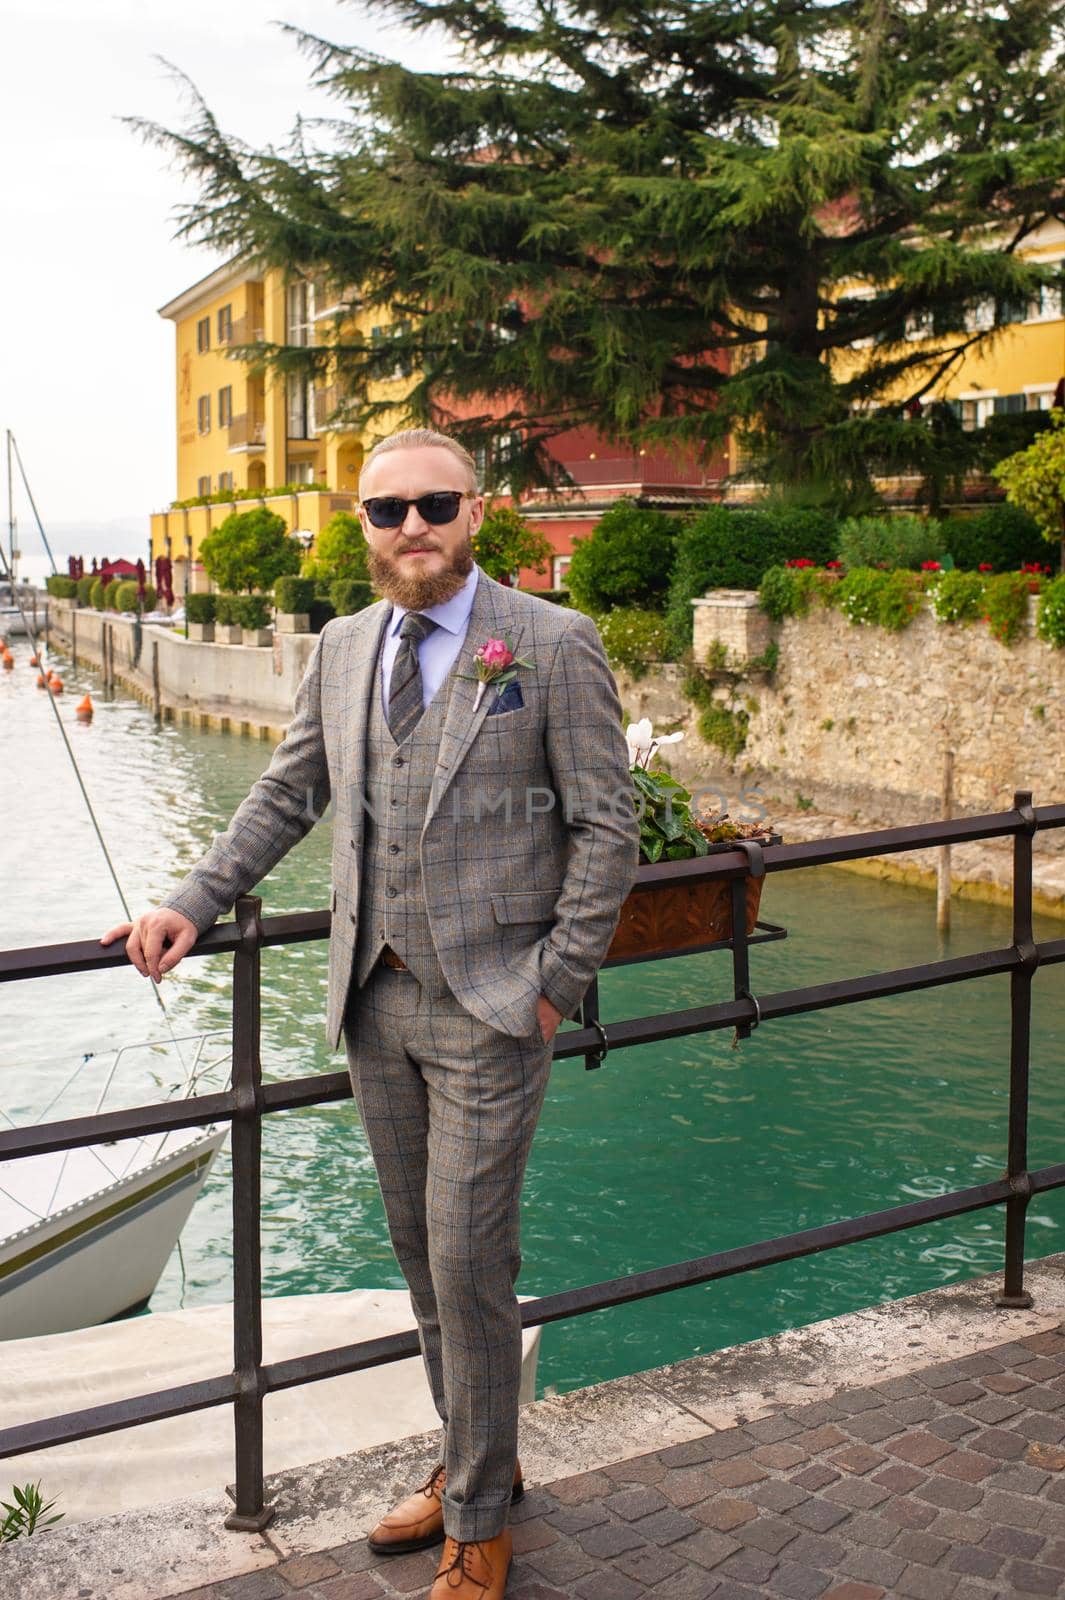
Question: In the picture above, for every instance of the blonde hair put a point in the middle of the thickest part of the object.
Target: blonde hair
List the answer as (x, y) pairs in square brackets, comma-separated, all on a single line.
[(421, 439)]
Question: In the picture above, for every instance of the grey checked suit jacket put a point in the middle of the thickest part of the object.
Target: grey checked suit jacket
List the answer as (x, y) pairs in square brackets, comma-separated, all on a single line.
[(522, 898)]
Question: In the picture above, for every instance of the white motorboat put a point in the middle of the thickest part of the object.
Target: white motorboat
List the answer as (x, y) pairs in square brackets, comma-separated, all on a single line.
[(12, 621), (85, 1233)]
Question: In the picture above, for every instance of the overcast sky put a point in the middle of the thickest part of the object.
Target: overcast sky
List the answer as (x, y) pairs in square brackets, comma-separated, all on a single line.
[(86, 248)]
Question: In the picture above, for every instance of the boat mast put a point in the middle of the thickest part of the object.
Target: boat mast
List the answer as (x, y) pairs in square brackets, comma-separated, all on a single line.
[(10, 509)]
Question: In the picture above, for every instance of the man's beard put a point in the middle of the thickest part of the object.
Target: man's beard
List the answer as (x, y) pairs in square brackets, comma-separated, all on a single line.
[(416, 591)]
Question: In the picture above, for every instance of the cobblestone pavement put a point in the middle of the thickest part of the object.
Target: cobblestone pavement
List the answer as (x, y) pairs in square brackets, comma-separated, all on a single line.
[(946, 1484)]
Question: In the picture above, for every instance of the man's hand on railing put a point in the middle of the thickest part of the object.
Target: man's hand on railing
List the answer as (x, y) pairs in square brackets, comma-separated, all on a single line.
[(148, 936)]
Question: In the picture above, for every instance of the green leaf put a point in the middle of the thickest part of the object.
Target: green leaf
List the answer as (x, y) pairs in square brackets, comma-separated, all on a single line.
[(652, 847)]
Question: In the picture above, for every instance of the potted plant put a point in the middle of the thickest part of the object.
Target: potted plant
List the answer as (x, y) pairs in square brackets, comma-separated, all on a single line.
[(684, 916), (200, 613), (294, 598), (228, 629), (253, 613)]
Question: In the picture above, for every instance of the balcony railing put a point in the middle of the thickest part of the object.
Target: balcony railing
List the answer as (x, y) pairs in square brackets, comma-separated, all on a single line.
[(246, 431), (249, 1099)]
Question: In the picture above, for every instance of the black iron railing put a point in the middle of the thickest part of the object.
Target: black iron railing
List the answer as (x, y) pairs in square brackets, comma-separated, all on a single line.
[(249, 1099)]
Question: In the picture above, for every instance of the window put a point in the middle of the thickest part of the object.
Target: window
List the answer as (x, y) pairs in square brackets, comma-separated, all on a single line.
[(203, 335), (403, 366), (300, 407), (1008, 405), (1039, 399), (974, 410), (225, 482), (225, 406), (225, 324), (559, 568), (299, 307), (203, 485), (300, 472), (203, 413)]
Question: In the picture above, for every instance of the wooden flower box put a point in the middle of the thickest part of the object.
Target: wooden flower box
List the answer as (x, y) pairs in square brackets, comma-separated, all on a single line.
[(682, 916)]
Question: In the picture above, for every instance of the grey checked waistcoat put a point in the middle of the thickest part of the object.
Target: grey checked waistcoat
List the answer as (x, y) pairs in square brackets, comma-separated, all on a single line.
[(392, 895)]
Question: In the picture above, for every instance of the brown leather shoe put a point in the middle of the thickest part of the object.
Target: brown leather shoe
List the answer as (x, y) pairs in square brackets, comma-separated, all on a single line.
[(418, 1522), (476, 1570)]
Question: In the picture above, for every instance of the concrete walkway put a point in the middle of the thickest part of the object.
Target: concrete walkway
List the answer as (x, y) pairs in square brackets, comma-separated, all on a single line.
[(915, 1449)]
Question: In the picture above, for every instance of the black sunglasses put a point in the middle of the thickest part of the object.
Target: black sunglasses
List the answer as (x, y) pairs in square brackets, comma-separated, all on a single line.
[(436, 508)]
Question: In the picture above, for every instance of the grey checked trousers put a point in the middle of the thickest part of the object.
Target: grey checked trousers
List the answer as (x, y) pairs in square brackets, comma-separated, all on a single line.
[(450, 1106)]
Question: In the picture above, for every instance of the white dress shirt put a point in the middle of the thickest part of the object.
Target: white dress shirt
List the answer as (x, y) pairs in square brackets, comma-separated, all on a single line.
[(437, 652)]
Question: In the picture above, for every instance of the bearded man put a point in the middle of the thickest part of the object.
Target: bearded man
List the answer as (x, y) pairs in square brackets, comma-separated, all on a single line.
[(484, 840)]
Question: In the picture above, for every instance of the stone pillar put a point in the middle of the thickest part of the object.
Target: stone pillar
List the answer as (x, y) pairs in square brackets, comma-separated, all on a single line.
[(729, 628)]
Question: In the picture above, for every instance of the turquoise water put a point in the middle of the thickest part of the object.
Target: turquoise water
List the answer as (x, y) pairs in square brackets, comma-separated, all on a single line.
[(671, 1150)]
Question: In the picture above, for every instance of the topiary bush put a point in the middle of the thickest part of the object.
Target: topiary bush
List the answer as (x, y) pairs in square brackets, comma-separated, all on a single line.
[(226, 609), (85, 590), (294, 595), (253, 610), (61, 587), (626, 561), (201, 608), (1001, 537), (123, 596), (349, 595), (722, 549), (890, 542), (250, 550), (634, 638), (1050, 624), (96, 594), (958, 596)]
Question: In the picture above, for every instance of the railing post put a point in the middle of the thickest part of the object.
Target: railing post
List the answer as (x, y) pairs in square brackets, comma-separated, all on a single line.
[(250, 1514), (741, 966), (1014, 1293)]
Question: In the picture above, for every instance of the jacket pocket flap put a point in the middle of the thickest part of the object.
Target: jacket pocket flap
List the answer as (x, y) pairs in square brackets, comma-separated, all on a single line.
[(526, 905)]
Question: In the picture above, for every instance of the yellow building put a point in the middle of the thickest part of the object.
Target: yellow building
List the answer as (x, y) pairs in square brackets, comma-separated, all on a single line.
[(241, 431)]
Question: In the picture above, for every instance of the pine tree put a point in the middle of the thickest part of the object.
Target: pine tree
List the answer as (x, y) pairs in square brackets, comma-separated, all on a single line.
[(669, 220)]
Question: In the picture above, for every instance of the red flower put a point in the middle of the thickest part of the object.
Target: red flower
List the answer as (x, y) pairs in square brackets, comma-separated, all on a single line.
[(985, 566), (800, 561), (930, 566), (834, 566)]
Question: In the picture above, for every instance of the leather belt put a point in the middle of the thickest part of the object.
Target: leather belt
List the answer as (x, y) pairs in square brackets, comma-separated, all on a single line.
[(390, 959)]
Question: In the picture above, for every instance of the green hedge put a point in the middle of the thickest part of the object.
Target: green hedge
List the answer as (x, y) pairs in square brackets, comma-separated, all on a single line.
[(349, 595), (294, 595), (633, 638), (722, 549), (61, 587), (123, 595), (892, 542), (85, 590), (96, 594), (625, 561), (201, 608), (1002, 538), (253, 610), (226, 609), (558, 597)]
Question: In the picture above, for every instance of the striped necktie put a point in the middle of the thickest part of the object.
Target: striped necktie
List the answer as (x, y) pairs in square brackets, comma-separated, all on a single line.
[(405, 686)]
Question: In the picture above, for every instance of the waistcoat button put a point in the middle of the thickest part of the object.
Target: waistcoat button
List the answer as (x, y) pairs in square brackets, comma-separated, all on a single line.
[(397, 761), (393, 849), (391, 891)]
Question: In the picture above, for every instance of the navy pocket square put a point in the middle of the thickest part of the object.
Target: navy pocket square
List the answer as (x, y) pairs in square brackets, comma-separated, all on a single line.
[(509, 698)]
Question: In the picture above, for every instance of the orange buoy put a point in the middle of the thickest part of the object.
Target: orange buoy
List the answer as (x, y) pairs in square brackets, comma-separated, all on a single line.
[(33, 661), (8, 660), (83, 711), (55, 684), (41, 681)]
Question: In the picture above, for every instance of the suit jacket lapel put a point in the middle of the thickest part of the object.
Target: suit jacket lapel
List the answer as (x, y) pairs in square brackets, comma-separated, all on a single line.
[(491, 617), (362, 680)]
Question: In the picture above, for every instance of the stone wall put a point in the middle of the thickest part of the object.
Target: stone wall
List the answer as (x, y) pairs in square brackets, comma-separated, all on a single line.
[(232, 683), (857, 720)]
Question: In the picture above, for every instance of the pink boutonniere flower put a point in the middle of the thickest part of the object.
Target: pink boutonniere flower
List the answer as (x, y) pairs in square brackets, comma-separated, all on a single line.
[(496, 663)]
